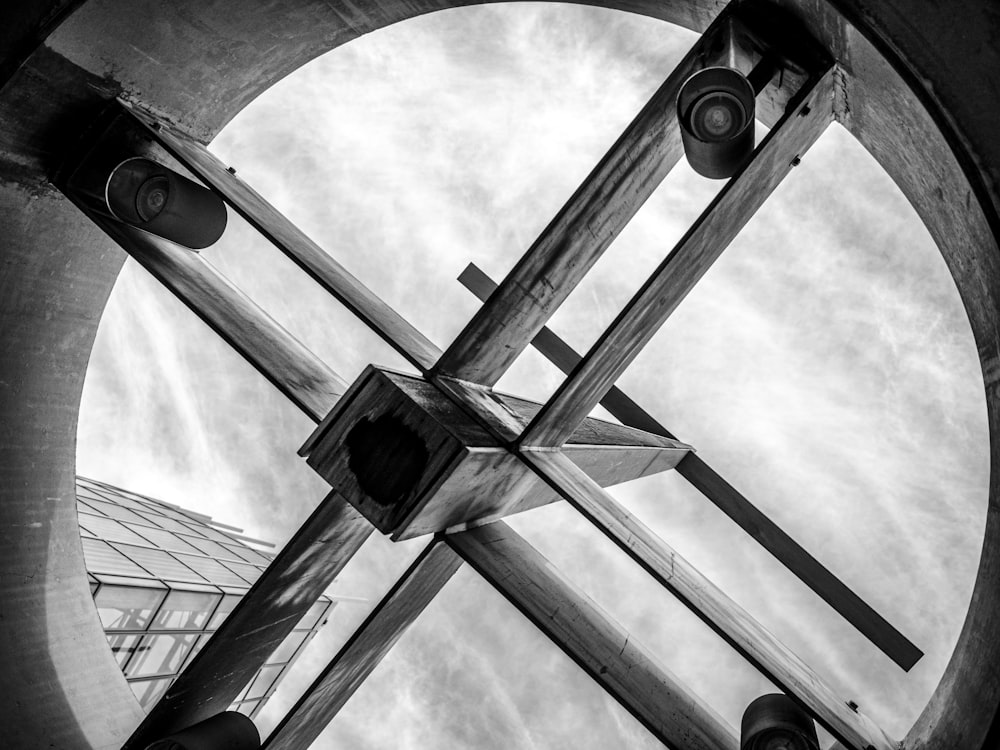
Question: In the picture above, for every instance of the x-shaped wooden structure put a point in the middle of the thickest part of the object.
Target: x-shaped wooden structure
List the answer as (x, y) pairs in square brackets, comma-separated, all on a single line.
[(442, 454)]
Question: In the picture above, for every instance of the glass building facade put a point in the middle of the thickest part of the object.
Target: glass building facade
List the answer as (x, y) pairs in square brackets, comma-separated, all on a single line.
[(163, 579)]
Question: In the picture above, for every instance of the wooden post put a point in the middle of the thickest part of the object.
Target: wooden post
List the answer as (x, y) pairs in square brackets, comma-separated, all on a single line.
[(808, 115), (579, 234), (701, 596), (365, 649), (414, 463), (293, 242), (277, 355), (265, 616), (599, 645), (749, 518)]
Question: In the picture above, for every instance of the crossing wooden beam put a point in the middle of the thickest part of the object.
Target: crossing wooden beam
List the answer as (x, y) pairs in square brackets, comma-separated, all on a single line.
[(380, 631), (414, 463), (582, 230), (808, 114), (622, 666), (731, 502), (708, 602), (293, 242), (284, 361), (264, 617)]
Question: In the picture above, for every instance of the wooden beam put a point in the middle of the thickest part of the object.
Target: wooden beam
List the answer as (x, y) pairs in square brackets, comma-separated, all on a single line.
[(582, 230), (749, 518), (265, 616), (293, 242), (414, 463), (365, 649), (809, 113), (274, 352), (701, 596), (809, 570), (668, 709)]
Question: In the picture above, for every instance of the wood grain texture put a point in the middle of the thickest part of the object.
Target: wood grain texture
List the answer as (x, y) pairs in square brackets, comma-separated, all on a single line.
[(292, 583), (749, 518), (492, 483), (274, 352), (582, 230), (563, 356), (809, 113), (293, 242), (507, 416), (807, 568), (429, 466), (701, 596), (417, 414), (380, 631), (609, 465), (622, 666)]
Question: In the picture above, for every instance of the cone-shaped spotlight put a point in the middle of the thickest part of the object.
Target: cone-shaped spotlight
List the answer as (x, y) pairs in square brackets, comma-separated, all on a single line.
[(149, 196), (775, 722), (715, 109)]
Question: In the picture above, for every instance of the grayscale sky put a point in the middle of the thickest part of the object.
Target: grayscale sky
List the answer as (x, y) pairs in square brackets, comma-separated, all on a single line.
[(824, 367)]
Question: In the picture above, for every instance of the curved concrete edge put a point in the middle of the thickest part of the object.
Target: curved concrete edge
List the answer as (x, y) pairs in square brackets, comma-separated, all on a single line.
[(61, 689), (957, 199), (240, 54)]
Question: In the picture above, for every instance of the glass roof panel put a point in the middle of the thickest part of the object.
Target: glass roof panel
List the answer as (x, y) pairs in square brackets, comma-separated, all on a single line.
[(160, 563), (214, 549), (185, 610), (212, 570), (102, 558), (162, 539), (127, 608), (109, 529), (160, 654)]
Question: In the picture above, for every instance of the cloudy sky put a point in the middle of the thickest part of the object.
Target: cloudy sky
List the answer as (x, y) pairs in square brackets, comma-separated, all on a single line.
[(824, 366)]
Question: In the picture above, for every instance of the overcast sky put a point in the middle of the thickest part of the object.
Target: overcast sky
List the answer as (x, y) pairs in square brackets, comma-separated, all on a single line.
[(824, 367)]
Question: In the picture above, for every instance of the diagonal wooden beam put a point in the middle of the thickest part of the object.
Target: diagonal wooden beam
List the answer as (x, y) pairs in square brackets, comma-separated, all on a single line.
[(808, 114), (809, 570), (582, 230), (365, 649), (293, 242), (701, 596), (274, 352), (749, 518), (566, 358), (414, 463), (265, 616), (676, 716)]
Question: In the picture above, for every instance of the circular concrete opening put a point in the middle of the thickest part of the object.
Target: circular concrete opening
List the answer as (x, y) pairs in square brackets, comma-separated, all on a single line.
[(806, 368), (879, 108)]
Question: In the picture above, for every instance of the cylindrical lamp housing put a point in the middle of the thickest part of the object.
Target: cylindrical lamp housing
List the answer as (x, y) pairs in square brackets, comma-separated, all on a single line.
[(775, 722), (226, 731), (151, 197), (715, 110)]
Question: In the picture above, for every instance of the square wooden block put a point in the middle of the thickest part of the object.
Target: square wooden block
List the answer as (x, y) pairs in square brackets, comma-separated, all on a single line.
[(394, 443), (413, 462)]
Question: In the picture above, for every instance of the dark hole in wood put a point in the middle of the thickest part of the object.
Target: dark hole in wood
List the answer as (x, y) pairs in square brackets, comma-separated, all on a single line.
[(387, 457)]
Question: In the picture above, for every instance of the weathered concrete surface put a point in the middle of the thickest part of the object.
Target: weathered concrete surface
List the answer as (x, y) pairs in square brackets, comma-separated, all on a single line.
[(198, 62), (55, 662)]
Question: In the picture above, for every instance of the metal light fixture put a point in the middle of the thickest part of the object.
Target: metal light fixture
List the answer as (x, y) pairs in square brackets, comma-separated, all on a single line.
[(148, 195), (775, 722), (715, 109)]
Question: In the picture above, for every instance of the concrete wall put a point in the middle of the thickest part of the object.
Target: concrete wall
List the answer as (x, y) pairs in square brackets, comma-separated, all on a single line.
[(919, 87)]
